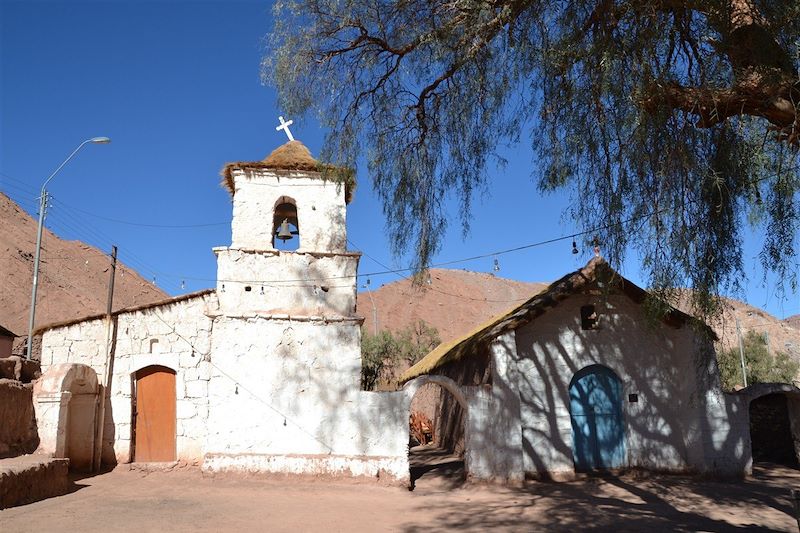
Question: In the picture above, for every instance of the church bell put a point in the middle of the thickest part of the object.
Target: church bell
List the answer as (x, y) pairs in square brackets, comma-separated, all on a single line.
[(284, 233)]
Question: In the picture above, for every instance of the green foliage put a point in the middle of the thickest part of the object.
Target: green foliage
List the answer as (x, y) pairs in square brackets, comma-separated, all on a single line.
[(760, 365), (656, 115), (381, 354)]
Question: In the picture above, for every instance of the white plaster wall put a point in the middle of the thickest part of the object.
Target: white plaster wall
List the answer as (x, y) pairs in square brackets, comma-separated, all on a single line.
[(298, 394), (655, 361), (285, 283), (320, 209), (182, 331), (494, 432)]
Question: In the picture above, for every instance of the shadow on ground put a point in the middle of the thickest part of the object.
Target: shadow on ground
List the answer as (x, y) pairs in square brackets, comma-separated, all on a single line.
[(435, 467), (629, 503)]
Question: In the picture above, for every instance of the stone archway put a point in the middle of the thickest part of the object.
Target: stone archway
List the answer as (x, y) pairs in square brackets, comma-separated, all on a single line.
[(65, 399), (438, 402)]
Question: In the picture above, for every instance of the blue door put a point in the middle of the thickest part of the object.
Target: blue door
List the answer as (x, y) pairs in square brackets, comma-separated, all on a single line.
[(598, 433)]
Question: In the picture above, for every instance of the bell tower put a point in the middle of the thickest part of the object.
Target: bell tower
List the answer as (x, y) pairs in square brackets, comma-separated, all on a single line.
[(288, 197)]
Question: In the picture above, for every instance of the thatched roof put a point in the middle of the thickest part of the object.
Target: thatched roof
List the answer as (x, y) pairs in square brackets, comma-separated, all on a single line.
[(131, 309), (592, 277), (292, 156)]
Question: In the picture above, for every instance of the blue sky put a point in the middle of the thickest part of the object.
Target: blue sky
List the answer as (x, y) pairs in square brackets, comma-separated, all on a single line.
[(176, 86)]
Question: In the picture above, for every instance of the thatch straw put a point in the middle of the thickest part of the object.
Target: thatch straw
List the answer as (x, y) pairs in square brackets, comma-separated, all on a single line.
[(292, 156), (582, 280)]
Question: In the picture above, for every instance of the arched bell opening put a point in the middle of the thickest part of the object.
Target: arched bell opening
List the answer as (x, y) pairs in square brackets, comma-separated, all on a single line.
[(285, 225)]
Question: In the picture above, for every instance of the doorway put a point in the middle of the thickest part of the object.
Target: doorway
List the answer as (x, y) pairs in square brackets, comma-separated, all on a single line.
[(437, 421), (598, 432), (154, 415), (770, 431)]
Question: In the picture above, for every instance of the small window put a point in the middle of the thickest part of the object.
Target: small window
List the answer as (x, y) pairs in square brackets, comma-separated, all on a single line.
[(588, 317), (154, 346), (248, 288)]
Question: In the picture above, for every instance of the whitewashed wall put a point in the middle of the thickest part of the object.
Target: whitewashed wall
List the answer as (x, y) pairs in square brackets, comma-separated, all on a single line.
[(291, 283), (175, 335), (286, 393), (320, 209), (669, 426)]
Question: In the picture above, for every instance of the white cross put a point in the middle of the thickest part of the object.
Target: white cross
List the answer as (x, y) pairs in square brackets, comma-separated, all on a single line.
[(285, 126)]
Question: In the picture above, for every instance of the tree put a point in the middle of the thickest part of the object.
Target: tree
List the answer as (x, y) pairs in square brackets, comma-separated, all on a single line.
[(673, 122), (760, 365), (382, 353)]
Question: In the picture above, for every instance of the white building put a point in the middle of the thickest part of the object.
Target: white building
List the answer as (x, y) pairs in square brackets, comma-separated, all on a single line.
[(262, 373)]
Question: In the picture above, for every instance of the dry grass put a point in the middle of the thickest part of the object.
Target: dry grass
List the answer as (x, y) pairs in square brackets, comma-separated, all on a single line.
[(292, 156)]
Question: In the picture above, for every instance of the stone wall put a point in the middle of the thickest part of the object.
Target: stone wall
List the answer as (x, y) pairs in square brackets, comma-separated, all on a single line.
[(18, 433), (269, 394), (176, 335)]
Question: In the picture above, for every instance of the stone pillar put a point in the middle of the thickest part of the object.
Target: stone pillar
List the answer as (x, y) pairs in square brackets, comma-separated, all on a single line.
[(52, 414)]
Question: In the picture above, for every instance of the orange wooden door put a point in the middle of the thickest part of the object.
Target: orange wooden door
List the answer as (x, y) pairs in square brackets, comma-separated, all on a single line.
[(155, 415)]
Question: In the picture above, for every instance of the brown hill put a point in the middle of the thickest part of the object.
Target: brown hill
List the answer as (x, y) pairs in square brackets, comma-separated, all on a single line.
[(73, 279), (454, 302), (783, 335)]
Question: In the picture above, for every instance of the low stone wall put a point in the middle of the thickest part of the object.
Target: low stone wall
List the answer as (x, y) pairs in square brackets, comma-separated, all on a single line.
[(18, 433), (19, 368), (31, 478)]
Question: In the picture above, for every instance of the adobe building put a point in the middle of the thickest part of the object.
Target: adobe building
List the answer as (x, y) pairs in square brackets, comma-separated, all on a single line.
[(582, 378)]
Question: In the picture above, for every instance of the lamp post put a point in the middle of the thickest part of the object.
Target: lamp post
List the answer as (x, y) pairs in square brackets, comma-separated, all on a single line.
[(42, 208)]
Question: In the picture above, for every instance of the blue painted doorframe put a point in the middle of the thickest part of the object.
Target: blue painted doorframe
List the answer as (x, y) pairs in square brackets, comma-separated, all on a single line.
[(598, 430)]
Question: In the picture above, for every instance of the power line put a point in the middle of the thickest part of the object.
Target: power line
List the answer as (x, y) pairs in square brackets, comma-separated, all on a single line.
[(139, 224)]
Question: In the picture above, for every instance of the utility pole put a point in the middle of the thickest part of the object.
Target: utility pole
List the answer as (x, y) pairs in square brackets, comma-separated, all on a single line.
[(374, 309), (35, 286), (741, 350), (105, 387), (766, 338)]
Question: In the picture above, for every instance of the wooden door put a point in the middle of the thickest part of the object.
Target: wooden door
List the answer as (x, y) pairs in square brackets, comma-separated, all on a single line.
[(154, 422), (598, 430)]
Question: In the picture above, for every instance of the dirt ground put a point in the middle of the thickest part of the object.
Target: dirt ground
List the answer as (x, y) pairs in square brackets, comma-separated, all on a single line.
[(187, 500)]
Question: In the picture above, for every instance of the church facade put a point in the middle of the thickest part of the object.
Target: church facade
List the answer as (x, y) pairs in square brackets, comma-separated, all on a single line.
[(261, 373)]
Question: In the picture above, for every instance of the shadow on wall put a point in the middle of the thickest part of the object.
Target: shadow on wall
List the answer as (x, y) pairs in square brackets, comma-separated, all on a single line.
[(674, 415)]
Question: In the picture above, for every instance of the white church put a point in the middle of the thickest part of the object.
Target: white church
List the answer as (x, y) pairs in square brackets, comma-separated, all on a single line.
[(262, 373)]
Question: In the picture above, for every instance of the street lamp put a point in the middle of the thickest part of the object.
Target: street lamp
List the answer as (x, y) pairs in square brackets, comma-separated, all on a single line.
[(42, 208)]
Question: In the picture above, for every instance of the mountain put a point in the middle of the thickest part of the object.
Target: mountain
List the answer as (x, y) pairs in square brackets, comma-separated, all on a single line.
[(454, 301), (73, 278)]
